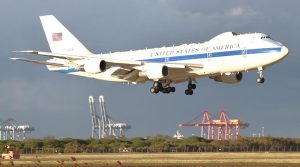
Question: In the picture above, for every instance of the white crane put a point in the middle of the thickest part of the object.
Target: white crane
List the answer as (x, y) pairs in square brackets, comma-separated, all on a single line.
[(13, 130), (103, 125)]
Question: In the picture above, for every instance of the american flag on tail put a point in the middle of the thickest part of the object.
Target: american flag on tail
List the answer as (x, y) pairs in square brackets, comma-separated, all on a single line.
[(56, 37)]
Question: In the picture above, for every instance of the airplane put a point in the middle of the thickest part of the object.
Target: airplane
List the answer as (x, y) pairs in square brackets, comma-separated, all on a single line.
[(223, 58)]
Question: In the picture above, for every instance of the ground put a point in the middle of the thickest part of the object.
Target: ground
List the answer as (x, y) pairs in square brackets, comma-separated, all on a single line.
[(158, 159)]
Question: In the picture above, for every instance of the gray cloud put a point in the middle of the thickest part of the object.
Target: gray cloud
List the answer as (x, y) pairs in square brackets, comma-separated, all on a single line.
[(239, 11)]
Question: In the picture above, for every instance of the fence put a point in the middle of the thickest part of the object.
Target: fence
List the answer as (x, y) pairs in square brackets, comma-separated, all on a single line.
[(264, 148)]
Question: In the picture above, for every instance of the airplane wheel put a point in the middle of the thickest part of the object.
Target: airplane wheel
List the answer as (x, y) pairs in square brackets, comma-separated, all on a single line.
[(188, 92), (173, 89), (260, 80), (192, 86), (153, 90), (165, 90), (157, 84)]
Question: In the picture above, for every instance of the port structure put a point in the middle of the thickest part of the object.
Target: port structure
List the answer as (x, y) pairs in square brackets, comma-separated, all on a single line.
[(13, 130), (103, 125), (220, 127)]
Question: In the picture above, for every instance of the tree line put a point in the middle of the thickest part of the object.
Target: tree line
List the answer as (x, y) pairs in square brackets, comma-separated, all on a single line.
[(156, 143)]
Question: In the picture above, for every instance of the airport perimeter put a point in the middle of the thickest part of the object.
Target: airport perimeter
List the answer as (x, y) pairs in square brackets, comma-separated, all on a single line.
[(158, 159)]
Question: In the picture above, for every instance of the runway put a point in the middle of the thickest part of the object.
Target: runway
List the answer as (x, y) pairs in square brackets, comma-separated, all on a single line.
[(159, 159)]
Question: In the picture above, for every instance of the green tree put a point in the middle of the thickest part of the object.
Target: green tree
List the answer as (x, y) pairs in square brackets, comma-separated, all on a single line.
[(72, 147)]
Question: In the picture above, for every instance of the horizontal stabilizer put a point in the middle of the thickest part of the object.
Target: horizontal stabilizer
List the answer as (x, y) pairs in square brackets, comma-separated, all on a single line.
[(39, 62), (55, 55)]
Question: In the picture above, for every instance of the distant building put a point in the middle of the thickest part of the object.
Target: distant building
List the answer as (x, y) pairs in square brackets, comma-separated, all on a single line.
[(178, 135)]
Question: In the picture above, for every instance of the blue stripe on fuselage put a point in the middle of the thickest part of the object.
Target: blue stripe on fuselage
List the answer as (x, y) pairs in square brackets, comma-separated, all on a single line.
[(213, 54)]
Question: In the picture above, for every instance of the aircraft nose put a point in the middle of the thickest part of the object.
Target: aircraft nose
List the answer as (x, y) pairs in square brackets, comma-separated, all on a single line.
[(284, 51)]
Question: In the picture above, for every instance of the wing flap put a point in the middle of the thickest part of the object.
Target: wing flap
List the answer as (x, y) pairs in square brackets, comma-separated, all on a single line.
[(194, 66), (132, 75), (124, 64), (186, 67)]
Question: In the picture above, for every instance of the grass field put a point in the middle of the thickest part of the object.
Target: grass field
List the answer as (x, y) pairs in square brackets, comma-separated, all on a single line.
[(158, 159)]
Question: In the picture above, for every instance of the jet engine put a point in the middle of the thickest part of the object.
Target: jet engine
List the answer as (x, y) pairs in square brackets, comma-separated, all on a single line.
[(156, 71), (95, 66), (229, 78)]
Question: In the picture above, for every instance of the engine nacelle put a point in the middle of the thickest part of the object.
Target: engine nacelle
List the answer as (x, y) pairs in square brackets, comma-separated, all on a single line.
[(229, 78), (95, 66), (156, 71)]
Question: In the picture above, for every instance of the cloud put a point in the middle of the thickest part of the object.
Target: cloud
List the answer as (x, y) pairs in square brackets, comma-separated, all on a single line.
[(236, 11), (15, 93), (239, 11), (21, 95)]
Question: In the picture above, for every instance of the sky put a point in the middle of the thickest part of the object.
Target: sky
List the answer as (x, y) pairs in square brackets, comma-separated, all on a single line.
[(57, 104)]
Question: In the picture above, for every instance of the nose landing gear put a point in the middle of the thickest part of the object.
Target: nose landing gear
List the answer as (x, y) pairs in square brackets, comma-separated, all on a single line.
[(191, 87), (261, 78)]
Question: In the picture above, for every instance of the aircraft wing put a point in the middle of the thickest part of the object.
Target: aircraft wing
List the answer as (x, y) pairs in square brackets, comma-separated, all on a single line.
[(78, 57), (113, 61), (123, 69)]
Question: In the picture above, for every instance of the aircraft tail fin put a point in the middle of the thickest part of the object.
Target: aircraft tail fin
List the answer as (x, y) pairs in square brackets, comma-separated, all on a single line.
[(60, 39)]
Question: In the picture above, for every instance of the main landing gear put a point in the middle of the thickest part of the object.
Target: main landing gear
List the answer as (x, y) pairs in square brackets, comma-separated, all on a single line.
[(165, 87), (191, 87), (161, 87), (261, 78)]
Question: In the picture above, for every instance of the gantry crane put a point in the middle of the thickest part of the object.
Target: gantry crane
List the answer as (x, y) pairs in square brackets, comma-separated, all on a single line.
[(226, 127)]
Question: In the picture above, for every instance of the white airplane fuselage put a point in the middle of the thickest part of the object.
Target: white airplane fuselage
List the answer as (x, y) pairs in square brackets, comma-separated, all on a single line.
[(226, 53)]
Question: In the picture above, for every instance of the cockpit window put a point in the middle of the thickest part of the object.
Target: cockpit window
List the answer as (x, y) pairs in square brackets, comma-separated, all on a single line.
[(234, 34), (266, 37)]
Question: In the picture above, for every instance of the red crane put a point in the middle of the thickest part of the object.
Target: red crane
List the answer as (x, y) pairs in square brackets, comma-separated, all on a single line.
[(224, 125)]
